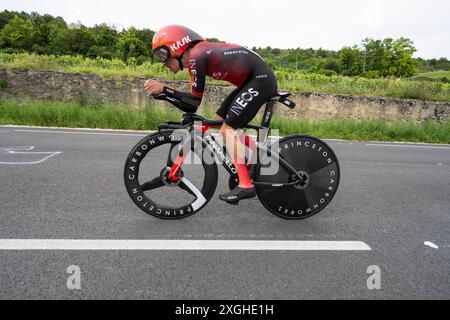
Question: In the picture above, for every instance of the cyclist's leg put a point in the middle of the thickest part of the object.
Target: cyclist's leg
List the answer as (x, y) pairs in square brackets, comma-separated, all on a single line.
[(246, 104), (221, 113), (243, 109)]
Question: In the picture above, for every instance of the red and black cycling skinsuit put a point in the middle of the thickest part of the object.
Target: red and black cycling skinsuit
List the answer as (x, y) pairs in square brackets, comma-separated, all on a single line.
[(254, 79)]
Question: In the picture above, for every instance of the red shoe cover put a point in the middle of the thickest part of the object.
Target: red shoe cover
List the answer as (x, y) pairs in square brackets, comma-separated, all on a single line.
[(244, 178)]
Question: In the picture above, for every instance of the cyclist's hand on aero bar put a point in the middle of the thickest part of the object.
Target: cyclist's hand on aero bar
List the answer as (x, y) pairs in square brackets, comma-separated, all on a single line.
[(153, 88)]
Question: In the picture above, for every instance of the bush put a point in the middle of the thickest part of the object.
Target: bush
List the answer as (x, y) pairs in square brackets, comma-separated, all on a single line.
[(332, 65), (328, 73), (372, 74)]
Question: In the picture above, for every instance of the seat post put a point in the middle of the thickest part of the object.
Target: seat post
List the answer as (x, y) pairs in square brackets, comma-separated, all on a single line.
[(267, 118), (268, 114)]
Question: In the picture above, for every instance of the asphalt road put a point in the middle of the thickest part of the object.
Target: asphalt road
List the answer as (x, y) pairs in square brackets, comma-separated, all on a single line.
[(68, 184)]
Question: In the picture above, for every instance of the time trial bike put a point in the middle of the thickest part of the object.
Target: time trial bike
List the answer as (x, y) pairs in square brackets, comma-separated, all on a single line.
[(173, 173)]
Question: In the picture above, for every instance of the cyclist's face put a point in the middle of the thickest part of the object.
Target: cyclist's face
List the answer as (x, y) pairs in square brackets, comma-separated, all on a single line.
[(173, 65)]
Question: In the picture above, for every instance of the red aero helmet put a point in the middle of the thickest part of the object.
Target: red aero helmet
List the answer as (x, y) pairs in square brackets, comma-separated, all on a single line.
[(172, 41)]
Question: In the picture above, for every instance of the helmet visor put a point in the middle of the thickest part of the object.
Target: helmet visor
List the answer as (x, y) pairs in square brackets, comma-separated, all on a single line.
[(161, 54)]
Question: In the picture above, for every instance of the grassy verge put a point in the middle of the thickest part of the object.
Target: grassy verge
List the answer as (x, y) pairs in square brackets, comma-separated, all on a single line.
[(368, 130), (74, 115), (287, 79), (434, 75)]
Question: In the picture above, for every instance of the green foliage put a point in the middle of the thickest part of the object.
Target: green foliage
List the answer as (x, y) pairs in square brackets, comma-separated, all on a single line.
[(81, 115), (440, 76), (328, 72), (442, 64), (332, 65), (350, 59), (130, 46), (389, 57), (45, 34), (104, 50), (366, 130), (405, 89), (18, 33)]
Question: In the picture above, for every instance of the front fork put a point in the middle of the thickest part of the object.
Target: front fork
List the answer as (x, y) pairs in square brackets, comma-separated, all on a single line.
[(175, 166)]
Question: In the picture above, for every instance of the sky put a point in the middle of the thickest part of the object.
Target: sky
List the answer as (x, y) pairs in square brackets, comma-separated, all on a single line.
[(281, 24)]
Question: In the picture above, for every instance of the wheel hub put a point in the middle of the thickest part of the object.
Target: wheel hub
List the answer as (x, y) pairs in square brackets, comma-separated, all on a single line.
[(302, 183), (165, 177)]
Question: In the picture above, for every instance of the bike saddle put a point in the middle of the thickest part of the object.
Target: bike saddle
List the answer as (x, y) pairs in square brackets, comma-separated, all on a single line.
[(283, 95)]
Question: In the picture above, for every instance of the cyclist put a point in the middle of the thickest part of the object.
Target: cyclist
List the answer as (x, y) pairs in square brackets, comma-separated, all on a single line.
[(179, 47)]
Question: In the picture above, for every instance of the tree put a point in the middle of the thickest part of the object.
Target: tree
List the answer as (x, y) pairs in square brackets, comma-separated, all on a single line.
[(80, 39), (332, 65), (42, 25), (350, 60), (373, 54), (5, 17), (402, 63), (58, 37), (129, 45), (389, 57), (105, 39), (18, 33), (146, 36)]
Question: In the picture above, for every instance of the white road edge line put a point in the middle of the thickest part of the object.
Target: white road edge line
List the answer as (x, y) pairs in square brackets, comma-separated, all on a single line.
[(91, 133), (112, 134), (183, 245), (405, 146)]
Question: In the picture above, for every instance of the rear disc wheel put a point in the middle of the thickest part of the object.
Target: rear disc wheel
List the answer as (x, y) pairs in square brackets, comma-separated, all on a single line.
[(317, 174)]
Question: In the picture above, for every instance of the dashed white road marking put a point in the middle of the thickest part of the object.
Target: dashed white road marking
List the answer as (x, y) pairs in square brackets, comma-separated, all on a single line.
[(180, 245)]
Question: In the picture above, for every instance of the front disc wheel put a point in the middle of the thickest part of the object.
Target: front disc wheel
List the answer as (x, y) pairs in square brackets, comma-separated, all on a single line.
[(147, 180)]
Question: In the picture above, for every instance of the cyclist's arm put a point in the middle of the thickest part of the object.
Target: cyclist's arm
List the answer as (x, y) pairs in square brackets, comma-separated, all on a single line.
[(187, 98), (197, 73)]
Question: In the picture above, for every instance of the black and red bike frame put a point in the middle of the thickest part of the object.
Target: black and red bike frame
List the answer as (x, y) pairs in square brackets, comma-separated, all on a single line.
[(200, 126)]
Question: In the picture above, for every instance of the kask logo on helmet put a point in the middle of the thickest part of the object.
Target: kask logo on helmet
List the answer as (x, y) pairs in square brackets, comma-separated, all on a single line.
[(177, 45)]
